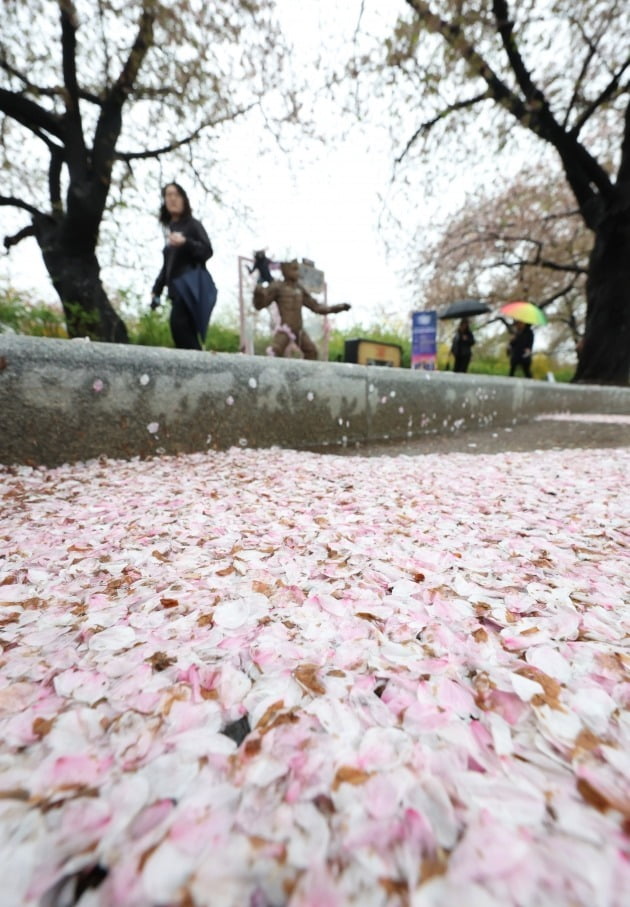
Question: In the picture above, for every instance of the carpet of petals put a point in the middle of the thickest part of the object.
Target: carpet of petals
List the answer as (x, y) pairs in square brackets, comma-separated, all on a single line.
[(265, 678)]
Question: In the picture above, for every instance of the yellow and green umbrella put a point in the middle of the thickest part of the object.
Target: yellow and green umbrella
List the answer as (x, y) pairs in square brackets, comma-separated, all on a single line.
[(526, 312)]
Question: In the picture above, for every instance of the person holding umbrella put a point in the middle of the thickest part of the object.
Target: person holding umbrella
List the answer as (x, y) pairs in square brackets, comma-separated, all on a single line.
[(190, 287), (464, 340), (521, 345), (520, 349), (462, 345)]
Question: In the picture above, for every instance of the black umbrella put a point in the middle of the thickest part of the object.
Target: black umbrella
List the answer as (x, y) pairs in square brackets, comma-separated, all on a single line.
[(465, 308), (197, 289)]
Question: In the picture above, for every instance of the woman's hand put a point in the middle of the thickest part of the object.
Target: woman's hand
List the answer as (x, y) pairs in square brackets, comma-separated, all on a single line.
[(176, 239)]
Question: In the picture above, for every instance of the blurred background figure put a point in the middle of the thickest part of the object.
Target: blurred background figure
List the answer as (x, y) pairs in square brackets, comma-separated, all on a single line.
[(261, 264), (462, 345), (520, 349)]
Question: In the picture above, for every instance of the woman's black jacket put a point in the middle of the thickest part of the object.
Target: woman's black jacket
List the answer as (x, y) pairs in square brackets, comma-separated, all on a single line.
[(178, 259), (521, 341)]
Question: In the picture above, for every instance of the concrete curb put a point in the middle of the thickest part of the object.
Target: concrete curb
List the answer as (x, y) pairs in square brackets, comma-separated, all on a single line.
[(62, 401)]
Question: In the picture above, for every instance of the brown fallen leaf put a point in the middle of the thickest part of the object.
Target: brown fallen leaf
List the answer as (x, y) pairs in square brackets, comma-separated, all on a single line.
[(16, 793), (348, 774), (34, 604), (169, 602), (397, 887), (592, 795), (208, 694), (225, 571), (432, 866), (600, 800), (324, 804), (552, 688), (10, 618), (262, 588), (159, 556), (585, 742), (41, 726), (270, 713), (289, 717), (252, 746), (306, 674), (159, 661)]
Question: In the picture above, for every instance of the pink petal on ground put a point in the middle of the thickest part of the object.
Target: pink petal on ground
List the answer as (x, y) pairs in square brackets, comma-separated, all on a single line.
[(440, 693), (73, 771), (453, 697), (315, 888)]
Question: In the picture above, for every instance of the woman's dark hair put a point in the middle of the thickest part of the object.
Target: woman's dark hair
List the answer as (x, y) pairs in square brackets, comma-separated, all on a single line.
[(164, 217)]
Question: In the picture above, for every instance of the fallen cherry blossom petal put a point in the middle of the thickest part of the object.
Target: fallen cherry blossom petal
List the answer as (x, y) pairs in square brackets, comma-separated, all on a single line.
[(260, 677)]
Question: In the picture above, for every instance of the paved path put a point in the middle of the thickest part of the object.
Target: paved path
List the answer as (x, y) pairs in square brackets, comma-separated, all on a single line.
[(544, 434)]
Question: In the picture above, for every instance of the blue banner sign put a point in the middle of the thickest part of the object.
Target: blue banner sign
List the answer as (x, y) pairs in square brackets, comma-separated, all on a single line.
[(424, 340)]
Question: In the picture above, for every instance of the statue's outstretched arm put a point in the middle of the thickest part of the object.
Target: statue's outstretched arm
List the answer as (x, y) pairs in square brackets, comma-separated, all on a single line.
[(321, 309), (264, 296)]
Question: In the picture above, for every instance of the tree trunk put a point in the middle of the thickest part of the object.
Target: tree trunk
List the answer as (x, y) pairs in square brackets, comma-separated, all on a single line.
[(604, 354), (76, 276)]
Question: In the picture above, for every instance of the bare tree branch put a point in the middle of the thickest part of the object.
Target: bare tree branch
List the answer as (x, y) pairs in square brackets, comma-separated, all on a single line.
[(104, 41), (51, 91), (9, 241), (559, 294), (76, 155), (582, 170), (359, 19), (426, 127), (69, 25), (143, 41), (29, 114), (538, 263), (590, 54), (110, 120), (606, 95), (455, 38), (173, 146), (34, 89), (505, 27), (11, 201)]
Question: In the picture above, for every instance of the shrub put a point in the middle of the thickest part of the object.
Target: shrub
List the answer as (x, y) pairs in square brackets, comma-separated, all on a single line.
[(222, 338), (23, 316), (151, 328)]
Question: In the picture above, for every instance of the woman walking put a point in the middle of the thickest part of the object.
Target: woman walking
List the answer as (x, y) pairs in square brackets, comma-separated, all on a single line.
[(183, 274), (462, 345), (520, 349)]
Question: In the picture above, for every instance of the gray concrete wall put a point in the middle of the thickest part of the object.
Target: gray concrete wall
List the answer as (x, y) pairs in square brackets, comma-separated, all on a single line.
[(62, 401)]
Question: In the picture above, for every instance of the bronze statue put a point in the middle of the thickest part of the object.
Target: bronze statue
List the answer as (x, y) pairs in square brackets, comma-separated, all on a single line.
[(290, 296)]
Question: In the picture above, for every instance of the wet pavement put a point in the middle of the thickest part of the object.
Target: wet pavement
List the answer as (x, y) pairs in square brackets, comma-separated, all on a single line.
[(547, 433)]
